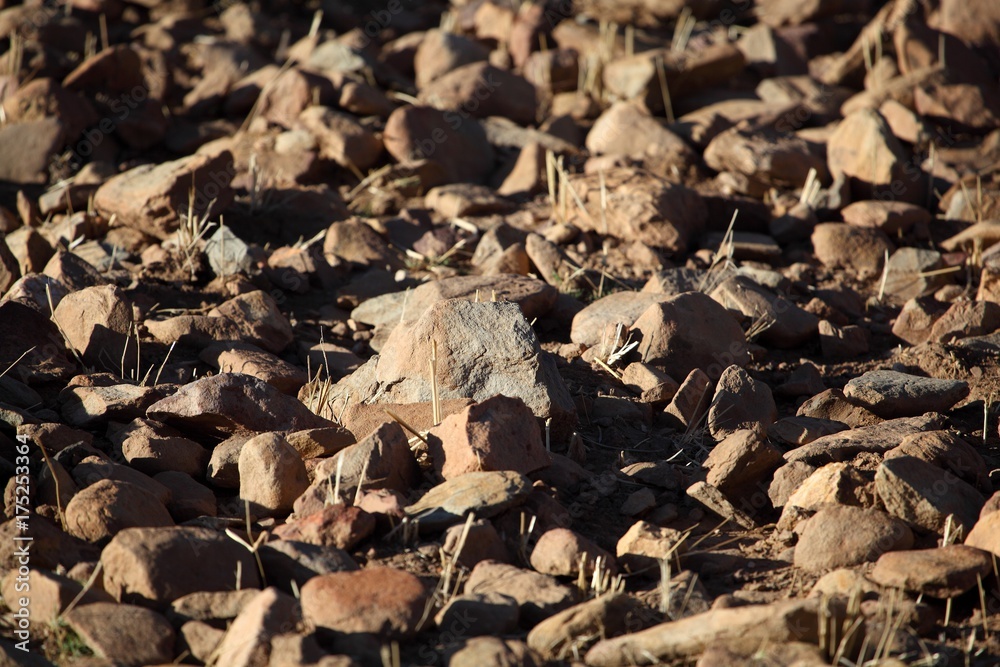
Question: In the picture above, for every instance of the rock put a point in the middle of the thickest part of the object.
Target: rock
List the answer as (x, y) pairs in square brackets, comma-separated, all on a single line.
[(832, 404), (477, 614), (653, 385), (286, 562), (499, 433), (249, 359), (798, 431), (210, 605), (740, 402), (151, 447), (538, 596), (741, 463), (474, 361), (98, 512), (842, 536), (860, 249), (846, 342), (832, 484), (596, 324), (964, 319), (248, 638), (891, 394), (137, 559), (924, 495), (229, 402), (786, 324), (92, 469), (89, 407), (690, 404), (336, 525), (911, 273), (461, 199), (377, 600), (674, 281), (764, 154), (942, 573), (627, 129), (318, 442), (36, 141), (787, 479), (188, 499), (50, 593), (97, 323), (193, 330), (891, 217), (914, 323), (559, 637), (482, 542), (383, 458), (341, 138), (441, 51), (712, 498), (362, 420), (224, 466), (638, 206), (151, 197), (878, 438), (485, 493), (259, 320), (691, 331), (889, 175), (272, 475), (72, 271), (424, 133), (946, 451), (560, 552), (122, 633), (356, 242), (534, 297), (480, 90), (744, 628), (490, 652), (644, 545)]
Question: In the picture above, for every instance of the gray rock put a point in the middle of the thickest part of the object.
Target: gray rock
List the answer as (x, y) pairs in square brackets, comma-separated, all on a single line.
[(892, 394), (485, 493)]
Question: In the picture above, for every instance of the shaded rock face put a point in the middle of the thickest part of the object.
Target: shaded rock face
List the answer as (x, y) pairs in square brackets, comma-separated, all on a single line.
[(483, 349)]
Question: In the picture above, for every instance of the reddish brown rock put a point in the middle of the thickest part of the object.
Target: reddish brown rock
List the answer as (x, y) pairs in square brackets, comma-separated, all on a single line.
[(425, 133), (336, 525), (842, 536), (562, 552), (379, 600), (259, 320), (498, 434), (272, 474), (101, 510)]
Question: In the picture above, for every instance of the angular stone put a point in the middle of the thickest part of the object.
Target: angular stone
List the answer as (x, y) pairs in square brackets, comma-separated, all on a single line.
[(137, 562), (151, 197), (272, 474), (563, 635), (485, 493), (151, 447), (627, 129), (878, 438), (477, 614), (122, 633), (257, 316), (847, 342), (92, 406), (740, 402), (787, 325), (424, 133), (924, 495), (483, 349), (247, 642), (229, 402), (690, 404), (499, 433), (949, 452), (596, 324), (336, 525), (691, 331), (643, 545), (860, 249), (378, 600), (942, 573), (251, 360), (891, 394), (560, 552), (741, 463), (98, 512), (539, 596), (841, 536)]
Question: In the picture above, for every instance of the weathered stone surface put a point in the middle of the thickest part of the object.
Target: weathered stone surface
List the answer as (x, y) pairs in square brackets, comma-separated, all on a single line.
[(842, 536), (691, 331), (101, 510), (483, 349), (379, 600), (892, 394), (122, 633), (941, 573), (924, 495), (740, 402), (272, 474), (559, 637), (228, 402), (539, 596), (485, 493), (878, 438)]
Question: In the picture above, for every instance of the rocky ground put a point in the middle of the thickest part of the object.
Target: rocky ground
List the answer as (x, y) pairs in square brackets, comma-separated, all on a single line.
[(603, 332)]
